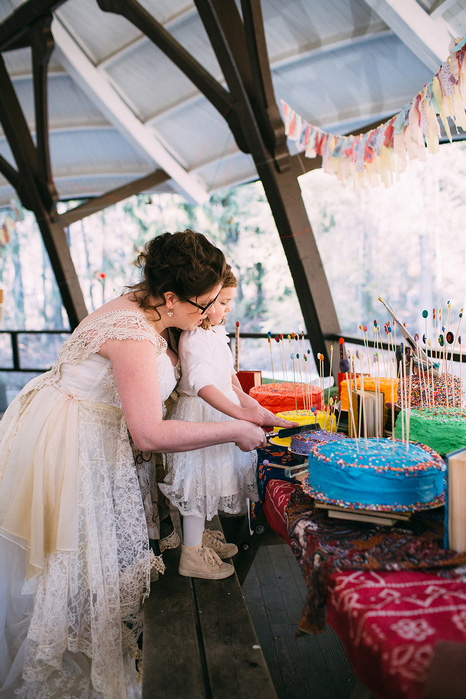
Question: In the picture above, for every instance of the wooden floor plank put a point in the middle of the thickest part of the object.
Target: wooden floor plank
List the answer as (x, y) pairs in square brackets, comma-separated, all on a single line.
[(170, 636), (310, 667), (234, 658), (283, 634)]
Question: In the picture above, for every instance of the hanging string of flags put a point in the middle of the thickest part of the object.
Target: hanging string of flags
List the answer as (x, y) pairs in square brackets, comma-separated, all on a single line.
[(373, 157)]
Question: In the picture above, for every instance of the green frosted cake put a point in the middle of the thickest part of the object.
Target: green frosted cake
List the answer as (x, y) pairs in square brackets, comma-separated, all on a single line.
[(442, 429)]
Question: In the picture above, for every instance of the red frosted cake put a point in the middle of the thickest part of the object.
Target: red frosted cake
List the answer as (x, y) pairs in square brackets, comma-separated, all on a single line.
[(278, 397)]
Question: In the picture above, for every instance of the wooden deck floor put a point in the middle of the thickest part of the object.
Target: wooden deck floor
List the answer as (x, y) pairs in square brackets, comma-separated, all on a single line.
[(302, 667)]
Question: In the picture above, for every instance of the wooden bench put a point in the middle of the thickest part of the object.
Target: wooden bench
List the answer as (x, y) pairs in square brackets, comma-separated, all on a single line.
[(199, 640)]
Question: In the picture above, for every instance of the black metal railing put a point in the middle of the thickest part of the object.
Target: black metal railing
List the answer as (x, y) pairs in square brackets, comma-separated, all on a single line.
[(16, 354)]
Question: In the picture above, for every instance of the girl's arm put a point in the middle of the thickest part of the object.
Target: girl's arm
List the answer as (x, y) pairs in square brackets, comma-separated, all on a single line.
[(134, 365), (214, 397)]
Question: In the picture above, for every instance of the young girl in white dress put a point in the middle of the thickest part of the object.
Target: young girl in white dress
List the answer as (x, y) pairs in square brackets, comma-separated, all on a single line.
[(220, 477)]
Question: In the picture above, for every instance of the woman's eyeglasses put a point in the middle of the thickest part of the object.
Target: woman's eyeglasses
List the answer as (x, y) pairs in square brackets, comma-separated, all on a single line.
[(203, 309)]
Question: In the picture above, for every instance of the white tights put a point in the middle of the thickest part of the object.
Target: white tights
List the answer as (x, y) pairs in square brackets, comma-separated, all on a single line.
[(193, 529)]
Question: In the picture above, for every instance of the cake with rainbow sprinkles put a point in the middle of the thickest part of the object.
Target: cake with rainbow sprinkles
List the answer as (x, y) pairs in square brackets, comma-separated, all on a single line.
[(376, 474)]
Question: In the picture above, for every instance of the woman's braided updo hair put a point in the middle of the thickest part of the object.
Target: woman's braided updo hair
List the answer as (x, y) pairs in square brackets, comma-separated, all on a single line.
[(185, 262)]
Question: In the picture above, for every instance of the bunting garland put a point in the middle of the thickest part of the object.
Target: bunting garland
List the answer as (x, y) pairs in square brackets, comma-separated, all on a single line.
[(373, 157)]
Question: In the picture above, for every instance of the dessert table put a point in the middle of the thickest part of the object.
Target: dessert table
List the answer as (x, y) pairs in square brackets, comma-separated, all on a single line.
[(392, 594)]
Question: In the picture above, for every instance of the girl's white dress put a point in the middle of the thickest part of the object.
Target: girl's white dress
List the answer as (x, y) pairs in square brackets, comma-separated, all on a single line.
[(220, 477), (74, 553)]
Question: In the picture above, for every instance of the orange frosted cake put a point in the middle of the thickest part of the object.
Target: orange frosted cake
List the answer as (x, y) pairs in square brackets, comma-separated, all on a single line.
[(278, 397), (385, 385)]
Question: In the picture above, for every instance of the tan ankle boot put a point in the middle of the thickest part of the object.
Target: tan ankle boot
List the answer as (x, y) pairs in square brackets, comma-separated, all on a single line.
[(201, 562), (216, 541)]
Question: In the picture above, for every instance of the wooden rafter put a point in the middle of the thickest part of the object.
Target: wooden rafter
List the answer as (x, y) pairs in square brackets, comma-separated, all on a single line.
[(112, 197)]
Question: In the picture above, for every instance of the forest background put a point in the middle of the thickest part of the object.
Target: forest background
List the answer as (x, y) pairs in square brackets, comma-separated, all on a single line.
[(405, 243)]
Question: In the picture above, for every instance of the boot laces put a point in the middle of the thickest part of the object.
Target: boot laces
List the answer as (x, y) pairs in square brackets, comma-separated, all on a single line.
[(209, 556), (213, 536)]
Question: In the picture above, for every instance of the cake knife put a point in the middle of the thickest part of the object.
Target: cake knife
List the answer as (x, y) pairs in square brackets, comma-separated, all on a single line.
[(290, 431)]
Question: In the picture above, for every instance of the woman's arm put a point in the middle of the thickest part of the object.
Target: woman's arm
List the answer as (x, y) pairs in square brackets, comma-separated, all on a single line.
[(135, 369)]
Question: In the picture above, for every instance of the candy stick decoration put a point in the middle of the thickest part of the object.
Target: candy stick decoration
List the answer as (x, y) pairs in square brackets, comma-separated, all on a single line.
[(320, 357), (362, 412), (460, 315), (237, 346), (440, 326), (448, 316), (301, 381), (339, 415), (306, 373), (344, 364), (331, 414), (461, 366), (310, 385), (281, 352), (408, 413), (450, 339), (269, 336), (294, 380), (288, 337), (350, 405), (366, 346), (425, 315), (402, 403)]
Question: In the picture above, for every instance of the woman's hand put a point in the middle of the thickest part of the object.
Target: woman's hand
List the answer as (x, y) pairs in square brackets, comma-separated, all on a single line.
[(250, 436)]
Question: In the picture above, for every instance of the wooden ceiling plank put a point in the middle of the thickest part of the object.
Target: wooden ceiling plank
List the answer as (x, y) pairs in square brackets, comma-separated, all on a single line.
[(99, 89), (427, 38)]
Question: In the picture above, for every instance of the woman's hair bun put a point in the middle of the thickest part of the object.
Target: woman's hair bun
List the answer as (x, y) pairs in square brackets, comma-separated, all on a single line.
[(184, 262)]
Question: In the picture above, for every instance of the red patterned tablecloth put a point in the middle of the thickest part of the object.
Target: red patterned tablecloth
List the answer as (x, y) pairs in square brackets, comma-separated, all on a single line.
[(388, 622)]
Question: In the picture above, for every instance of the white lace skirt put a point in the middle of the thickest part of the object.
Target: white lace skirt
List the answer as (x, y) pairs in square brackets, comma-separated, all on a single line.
[(203, 481), (69, 630)]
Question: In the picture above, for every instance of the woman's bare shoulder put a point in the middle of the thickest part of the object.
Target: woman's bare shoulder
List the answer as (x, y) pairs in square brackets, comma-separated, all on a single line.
[(121, 303)]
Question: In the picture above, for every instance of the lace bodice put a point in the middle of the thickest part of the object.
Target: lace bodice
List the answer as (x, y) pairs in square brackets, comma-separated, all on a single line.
[(81, 372)]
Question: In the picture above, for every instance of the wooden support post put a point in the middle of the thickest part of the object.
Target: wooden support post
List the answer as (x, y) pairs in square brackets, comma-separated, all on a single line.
[(37, 194), (251, 89)]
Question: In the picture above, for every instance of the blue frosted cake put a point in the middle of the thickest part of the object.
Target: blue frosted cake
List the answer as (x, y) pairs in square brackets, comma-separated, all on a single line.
[(382, 475)]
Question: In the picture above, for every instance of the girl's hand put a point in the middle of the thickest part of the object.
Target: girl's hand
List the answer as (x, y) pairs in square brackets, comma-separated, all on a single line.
[(253, 413), (271, 420), (250, 436)]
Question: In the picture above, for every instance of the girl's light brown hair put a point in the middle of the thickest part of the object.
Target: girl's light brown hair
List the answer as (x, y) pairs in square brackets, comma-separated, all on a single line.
[(229, 282)]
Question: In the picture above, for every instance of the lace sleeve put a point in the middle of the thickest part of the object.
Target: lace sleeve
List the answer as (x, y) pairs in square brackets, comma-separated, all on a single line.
[(121, 324)]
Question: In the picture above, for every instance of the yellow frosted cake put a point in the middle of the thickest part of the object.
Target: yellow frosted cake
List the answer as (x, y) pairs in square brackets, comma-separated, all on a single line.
[(324, 419)]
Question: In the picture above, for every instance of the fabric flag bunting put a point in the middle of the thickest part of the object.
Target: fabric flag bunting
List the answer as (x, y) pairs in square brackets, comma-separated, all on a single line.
[(373, 157)]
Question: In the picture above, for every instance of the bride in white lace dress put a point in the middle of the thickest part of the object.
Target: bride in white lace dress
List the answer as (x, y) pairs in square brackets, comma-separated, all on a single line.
[(74, 551)]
